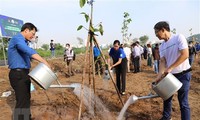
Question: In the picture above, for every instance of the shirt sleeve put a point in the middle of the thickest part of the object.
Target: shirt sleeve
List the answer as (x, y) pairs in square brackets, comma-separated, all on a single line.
[(182, 44), (122, 54), (161, 51), (23, 47), (111, 52)]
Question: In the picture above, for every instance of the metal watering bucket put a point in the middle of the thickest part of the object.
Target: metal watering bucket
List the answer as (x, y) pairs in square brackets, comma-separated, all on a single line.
[(106, 75), (167, 86), (43, 75)]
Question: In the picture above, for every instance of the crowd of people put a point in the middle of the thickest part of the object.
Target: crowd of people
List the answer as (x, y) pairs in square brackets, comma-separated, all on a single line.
[(174, 55)]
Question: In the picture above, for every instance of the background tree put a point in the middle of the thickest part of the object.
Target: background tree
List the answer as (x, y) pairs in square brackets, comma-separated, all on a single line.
[(58, 46), (173, 31), (143, 39), (80, 41), (127, 20), (45, 46), (190, 30)]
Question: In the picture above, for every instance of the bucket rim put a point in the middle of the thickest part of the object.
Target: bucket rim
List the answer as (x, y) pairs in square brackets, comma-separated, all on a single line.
[(50, 71)]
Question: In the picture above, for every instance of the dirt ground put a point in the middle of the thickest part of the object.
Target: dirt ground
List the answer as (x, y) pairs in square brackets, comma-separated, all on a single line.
[(63, 104)]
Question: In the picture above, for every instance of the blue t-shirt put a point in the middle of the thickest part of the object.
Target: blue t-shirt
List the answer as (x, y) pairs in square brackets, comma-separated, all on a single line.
[(116, 54), (96, 51), (19, 53)]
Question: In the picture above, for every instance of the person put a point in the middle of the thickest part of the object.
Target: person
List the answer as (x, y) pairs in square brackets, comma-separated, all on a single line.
[(156, 58), (149, 55), (192, 52), (68, 57), (136, 57), (52, 48), (97, 60), (19, 54), (197, 46), (120, 64), (141, 53), (127, 51), (145, 52), (174, 59)]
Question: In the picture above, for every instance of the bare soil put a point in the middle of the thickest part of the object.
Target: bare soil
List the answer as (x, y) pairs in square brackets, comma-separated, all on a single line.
[(63, 104)]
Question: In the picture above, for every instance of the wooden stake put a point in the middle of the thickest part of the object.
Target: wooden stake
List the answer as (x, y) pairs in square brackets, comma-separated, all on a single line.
[(83, 77)]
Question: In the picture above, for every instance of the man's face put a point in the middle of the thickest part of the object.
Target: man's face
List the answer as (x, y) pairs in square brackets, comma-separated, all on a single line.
[(116, 46), (67, 46), (160, 34), (30, 34)]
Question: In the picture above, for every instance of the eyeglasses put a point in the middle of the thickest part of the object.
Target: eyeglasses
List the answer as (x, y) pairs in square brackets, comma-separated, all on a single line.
[(156, 32), (33, 33)]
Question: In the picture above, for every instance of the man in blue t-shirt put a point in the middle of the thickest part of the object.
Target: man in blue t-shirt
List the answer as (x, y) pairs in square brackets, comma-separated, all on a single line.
[(97, 60), (120, 64), (19, 63)]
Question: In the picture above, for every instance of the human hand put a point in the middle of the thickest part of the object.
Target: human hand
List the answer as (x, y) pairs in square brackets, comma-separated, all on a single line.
[(168, 70), (160, 77)]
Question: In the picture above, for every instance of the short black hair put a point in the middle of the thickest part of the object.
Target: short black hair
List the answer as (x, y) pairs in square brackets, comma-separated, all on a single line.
[(116, 42), (29, 26), (162, 24), (190, 42), (68, 44), (137, 42)]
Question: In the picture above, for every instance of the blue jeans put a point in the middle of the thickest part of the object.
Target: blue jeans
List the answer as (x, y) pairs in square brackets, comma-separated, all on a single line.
[(191, 59), (52, 53), (156, 66), (182, 98)]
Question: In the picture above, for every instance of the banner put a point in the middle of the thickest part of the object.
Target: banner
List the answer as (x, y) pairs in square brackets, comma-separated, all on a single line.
[(9, 26)]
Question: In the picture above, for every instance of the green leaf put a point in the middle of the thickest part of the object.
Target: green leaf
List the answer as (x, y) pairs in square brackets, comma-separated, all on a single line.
[(96, 30), (86, 17), (129, 20), (101, 29), (80, 27), (82, 3)]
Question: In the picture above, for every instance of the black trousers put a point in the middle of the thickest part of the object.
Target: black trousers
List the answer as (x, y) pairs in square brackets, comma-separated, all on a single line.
[(20, 82), (121, 75), (98, 65), (136, 63)]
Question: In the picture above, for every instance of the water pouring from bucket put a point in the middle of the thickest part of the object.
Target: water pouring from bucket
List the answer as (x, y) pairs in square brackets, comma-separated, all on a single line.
[(132, 99), (165, 88)]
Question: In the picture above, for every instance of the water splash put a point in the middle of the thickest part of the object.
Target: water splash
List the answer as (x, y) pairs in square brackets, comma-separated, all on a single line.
[(91, 101), (130, 101)]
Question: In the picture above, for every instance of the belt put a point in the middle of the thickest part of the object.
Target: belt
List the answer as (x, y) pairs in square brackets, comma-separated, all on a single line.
[(183, 72), (20, 69)]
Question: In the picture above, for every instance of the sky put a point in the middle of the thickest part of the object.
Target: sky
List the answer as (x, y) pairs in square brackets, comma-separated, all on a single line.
[(59, 19)]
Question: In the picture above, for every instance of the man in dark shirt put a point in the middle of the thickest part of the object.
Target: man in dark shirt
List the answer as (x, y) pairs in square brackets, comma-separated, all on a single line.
[(19, 55), (97, 60), (120, 64), (52, 48)]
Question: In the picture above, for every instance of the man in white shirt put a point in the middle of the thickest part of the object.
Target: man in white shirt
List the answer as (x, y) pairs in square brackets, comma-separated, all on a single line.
[(136, 57), (127, 51), (174, 59), (141, 52)]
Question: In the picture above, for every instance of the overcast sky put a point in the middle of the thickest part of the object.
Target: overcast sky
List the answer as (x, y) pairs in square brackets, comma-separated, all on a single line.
[(59, 19)]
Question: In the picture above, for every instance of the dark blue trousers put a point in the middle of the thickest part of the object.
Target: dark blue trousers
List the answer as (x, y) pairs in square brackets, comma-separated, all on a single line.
[(182, 98)]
